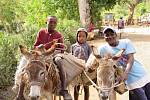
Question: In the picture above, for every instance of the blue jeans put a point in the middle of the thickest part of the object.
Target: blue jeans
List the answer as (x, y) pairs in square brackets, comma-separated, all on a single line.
[(142, 93)]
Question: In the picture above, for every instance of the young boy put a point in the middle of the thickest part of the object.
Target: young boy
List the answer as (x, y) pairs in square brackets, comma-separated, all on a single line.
[(82, 51)]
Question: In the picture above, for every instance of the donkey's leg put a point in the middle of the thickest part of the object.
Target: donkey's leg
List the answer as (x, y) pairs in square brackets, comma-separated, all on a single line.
[(59, 97), (86, 92), (50, 96), (20, 95), (56, 97), (112, 95), (76, 92)]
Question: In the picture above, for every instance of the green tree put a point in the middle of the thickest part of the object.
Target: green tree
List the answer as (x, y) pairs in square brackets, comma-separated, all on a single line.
[(131, 6), (93, 8), (10, 15)]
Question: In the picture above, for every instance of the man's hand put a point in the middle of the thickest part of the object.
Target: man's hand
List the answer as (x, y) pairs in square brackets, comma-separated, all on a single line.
[(123, 77), (40, 46), (54, 43), (118, 55)]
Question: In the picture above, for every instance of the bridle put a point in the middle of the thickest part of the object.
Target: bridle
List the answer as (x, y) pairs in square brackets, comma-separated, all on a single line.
[(116, 84), (31, 83)]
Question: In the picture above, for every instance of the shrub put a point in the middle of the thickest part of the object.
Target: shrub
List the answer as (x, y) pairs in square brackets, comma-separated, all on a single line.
[(8, 58), (28, 36), (68, 29)]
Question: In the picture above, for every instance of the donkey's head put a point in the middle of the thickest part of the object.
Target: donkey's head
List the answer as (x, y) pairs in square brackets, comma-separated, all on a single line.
[(36, 69), (105, 77), (105, 72)]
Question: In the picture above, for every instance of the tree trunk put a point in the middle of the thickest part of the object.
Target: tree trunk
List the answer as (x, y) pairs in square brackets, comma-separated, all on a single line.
[(84, 11), (131, 13), (132, 5)]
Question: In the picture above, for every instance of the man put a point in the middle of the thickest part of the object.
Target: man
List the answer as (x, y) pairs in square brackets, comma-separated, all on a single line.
[(47, 35), (135, 76), (45, 38)]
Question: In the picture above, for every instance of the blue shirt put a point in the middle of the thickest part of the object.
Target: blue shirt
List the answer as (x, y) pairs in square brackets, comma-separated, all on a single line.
[(137, 70)]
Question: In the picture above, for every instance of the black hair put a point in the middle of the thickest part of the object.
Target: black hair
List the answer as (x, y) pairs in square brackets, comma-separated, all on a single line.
[(52, 17), (109, 30), (78, 34)]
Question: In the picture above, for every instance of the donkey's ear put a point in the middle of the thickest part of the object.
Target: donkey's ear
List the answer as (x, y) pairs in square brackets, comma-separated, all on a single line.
[(49, 51), (119, 54), (95, 51), (25, 52)]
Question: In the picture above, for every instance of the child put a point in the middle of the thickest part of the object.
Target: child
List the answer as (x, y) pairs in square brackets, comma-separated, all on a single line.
[(82, 51)]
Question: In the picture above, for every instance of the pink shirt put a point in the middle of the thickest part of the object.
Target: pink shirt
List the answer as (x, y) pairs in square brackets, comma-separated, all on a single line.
[(91, 27), (44, 37)]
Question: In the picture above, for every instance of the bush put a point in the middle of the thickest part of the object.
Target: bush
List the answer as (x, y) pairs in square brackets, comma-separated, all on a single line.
[(8, 58), (9, 55), (28, 36), (68, 29)]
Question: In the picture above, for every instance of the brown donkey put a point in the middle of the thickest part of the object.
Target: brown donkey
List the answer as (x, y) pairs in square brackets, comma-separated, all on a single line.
[(41, 75), (106, 71)]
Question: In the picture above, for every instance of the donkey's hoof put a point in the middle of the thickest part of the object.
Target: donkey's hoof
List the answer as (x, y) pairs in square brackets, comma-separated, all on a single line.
[(67, 97)]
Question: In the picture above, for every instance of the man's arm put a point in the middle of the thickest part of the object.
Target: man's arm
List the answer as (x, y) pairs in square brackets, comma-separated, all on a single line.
[(61, 40), (130, 61), (38, 40)]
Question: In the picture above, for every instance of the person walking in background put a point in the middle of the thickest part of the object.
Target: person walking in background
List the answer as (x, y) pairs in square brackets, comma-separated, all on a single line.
[(90, 31), (91, 27), (121, 25), (82, 51)]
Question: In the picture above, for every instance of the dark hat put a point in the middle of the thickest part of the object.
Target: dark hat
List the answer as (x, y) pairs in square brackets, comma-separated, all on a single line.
[(109, 29)]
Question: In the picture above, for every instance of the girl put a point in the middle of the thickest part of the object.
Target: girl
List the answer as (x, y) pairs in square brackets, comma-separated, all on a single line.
[(82, 51)]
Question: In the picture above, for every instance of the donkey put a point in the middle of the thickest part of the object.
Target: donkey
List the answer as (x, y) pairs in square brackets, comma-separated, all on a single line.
[(106, 69), (40, 73)]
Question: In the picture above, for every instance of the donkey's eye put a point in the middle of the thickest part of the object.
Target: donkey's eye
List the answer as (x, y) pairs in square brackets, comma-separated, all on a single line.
[(42, 74), (111, 77)]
